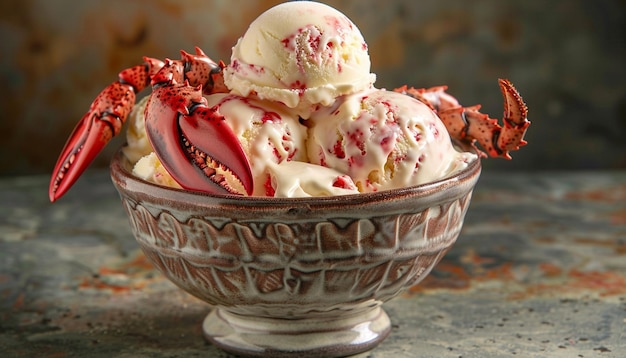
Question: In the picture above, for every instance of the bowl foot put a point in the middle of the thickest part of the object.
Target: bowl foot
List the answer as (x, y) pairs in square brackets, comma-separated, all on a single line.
[(336, 336)]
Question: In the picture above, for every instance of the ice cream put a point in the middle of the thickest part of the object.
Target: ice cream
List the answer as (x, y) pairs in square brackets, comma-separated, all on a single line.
[(295, 179), (269, 133), (139, 151), (149, 168), (383, 140), (302, 54), (308, 117), (137, 142)]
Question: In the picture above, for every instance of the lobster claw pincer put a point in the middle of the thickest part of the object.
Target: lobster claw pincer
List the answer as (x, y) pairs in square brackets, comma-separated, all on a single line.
[(95, 129), (194, 143)]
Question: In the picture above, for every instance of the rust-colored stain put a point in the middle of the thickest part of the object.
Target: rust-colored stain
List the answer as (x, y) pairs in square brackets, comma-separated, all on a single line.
[(448, 276), (545, 239), (139, 263), (603, 284), (618, 217), (550, 270), (134, 275), (619, 246), (472, 258), (19, 301), (549, 278), (98, 284), (614, 194), (473, 268), (502, 272), (606, 283)]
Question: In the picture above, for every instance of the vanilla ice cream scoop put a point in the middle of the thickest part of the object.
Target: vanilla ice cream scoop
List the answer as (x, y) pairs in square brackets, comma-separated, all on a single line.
[(149, 168), (300, 53), (269, 132), (383, 140), (137, 142), (294, 179)]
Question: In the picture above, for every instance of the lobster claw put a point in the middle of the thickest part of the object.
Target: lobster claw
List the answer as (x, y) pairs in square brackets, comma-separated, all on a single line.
[(87, 140), (194, 143), (95, 129)]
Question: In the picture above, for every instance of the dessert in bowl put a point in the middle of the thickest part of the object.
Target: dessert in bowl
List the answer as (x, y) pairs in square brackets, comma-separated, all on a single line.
[(301, 276), (285, 189)]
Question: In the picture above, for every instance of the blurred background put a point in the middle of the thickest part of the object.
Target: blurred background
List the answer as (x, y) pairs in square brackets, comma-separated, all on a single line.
[(566, 57)]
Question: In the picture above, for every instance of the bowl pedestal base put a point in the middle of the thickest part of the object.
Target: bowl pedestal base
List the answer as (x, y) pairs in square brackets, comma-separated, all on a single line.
[(330, 336)]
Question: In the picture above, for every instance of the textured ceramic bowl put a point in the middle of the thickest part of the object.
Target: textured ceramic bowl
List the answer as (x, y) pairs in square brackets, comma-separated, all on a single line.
[(299, 276)]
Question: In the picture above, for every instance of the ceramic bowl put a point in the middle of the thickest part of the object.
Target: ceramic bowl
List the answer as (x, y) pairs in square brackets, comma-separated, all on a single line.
[(295, 276)]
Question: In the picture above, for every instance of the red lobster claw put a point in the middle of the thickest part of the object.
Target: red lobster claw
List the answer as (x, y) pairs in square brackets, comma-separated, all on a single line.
[(109, 110), (194, 143), (103, 121), (90, 135)]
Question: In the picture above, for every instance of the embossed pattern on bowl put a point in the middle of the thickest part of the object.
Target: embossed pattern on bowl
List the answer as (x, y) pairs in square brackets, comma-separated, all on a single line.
[(302, 259)]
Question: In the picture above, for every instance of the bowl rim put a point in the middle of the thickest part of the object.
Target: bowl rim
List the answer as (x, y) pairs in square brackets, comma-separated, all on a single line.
[(122, 177)]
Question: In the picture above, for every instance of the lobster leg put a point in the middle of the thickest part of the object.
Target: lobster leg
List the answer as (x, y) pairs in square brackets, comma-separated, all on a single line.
[(201, 70), (470, 125), (467, 123), (515, 121)]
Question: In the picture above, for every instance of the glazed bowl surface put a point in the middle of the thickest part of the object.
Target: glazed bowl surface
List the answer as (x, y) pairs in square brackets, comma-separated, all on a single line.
[(295, 276)]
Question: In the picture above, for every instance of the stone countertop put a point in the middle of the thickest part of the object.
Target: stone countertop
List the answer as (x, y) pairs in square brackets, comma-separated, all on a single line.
[(539, 270)]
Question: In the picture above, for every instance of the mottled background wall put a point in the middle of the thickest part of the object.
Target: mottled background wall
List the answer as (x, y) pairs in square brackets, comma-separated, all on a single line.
[(567, 58)]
